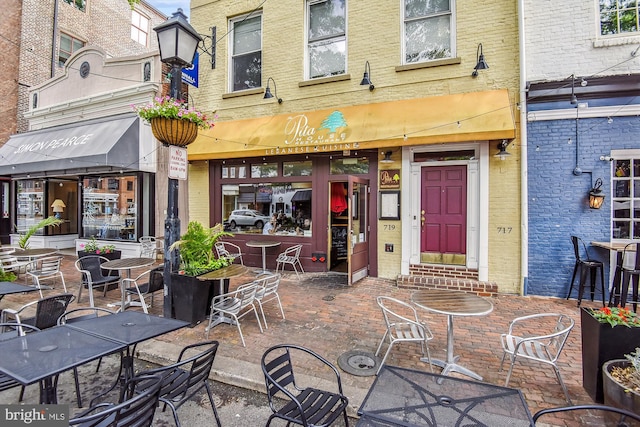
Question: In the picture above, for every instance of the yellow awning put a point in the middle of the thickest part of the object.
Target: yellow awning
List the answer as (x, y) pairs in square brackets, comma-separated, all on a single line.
[(438, 119)]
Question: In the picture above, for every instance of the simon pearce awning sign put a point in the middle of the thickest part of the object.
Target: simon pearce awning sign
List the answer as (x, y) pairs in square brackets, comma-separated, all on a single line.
[(112, 142)]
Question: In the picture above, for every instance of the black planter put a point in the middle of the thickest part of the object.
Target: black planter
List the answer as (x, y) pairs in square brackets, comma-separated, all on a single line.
[(191, 297), (110, 256), (601, 343)]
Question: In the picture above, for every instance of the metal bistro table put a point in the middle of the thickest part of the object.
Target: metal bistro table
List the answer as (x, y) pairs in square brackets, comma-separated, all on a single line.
[(31, 254), (7, 288), (126, 264), (41, 356), (264, 244), (406, 397), (221, 275), (452, 303)]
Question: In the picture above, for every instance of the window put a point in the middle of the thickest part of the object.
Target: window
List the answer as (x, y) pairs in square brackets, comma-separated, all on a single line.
[(139, 27), (428, 33), (326, 38), (79, 4), (618, 16), (626, 199), (349, 165), (246, 52), (68, 45), (107, 211)]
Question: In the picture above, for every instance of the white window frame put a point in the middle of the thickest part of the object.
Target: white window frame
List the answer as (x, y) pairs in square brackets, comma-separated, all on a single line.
[(307, 59), (617, 34), (621, 155), (452, 23), (232, 23), (136, 27)]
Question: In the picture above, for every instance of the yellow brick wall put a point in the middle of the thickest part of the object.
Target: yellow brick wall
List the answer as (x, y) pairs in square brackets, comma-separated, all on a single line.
[(199, 193)]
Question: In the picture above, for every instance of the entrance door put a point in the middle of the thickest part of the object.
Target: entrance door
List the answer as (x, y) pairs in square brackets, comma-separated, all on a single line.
[(443, 216), (358, 235), (5, 221)]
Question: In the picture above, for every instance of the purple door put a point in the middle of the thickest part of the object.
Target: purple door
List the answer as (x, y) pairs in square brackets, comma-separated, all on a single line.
[(444, 210)]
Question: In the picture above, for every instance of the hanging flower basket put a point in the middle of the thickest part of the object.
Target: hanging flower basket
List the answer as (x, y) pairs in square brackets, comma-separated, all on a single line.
[(174, 131)]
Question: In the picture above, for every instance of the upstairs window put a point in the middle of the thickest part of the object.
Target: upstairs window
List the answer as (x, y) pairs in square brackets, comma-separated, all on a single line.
[(68, 45), (428, 30), (79, 4), (326, 38), (139, 27), (618, 17), (246, 52)]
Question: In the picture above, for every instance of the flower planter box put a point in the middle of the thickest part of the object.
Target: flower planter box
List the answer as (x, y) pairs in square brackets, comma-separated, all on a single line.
[(191, 297), (110, 256), (601, 343), (614, 393)]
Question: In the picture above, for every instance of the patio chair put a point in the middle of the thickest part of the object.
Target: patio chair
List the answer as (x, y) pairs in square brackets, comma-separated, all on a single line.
[(595, 413), (229, 250), (149, 247), (305, 406), (76, 315), (630, 276), (183, 379), (11, 330), (134, 408), (47, 311), (267, 290), (93, 276), (10, 263), (403, 325), (154, 283), (290, 256), (236, 304), (537, 337), (585, 264), (44, 269)]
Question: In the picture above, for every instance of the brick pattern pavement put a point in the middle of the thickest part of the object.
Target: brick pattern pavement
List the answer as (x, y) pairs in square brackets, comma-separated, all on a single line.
[(332, 318)]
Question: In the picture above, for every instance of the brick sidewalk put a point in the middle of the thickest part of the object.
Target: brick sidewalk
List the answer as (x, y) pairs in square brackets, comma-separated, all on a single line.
[(332, 319)]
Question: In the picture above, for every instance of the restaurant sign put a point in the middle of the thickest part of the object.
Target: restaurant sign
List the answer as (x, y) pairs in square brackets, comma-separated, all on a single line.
[(390, 179)]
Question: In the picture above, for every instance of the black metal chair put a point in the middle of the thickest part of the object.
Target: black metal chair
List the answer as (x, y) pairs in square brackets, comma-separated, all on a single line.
[(47, 311), (305, 406), (630, 276), (621, 416), (134, 408), (11, 330), (586, 265), (183, 379), (93, 276), (140, 288), (75, 315)]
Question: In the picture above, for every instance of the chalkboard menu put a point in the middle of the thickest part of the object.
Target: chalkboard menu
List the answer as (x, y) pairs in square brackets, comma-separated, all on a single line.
[(339, 241)]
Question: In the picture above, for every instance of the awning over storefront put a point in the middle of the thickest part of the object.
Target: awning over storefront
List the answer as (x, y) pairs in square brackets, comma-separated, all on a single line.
[(472, 116), (104, 143), (301, 196)]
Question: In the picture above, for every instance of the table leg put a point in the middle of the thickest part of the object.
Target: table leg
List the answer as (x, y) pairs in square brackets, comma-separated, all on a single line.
[(48, 391), (264, 259)]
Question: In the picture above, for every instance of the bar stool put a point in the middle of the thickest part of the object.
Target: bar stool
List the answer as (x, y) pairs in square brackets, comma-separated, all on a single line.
[(630, 275), (586, 265)]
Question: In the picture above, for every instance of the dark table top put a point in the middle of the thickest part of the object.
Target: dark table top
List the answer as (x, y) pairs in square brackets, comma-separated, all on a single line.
[(15, 288), (455, 303), (407, 397), (128, 327), (127, 263), (35, 253), (227, 272), (39, 355)]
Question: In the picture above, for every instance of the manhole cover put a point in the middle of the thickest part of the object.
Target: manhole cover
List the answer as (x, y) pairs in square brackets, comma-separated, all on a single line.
[(329, 297), (360, 363)]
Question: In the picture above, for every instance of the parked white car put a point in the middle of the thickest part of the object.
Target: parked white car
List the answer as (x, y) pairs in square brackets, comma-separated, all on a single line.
[(247, 218)]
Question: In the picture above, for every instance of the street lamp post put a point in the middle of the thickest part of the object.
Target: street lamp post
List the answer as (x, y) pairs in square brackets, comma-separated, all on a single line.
[(178, 42)]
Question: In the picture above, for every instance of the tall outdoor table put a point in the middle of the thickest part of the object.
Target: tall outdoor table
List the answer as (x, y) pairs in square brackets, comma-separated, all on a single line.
[(126, 264), (406, 397), (221, 275), (617, 290), (452, 303), (264, 244), (127, 328), (41, 356)]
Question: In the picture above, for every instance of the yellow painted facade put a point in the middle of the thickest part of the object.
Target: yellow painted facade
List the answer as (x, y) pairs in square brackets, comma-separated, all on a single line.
[(373, 35)]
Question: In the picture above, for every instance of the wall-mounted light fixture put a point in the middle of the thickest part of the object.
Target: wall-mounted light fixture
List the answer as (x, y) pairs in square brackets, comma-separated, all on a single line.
[(267, 92), (387, 157), (481, 64), (58, 207), (503, 153), (366, 80), (596, 196), (574, 98)]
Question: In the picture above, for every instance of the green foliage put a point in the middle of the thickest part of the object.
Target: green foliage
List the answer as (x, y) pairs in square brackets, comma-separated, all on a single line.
[(23, 241), (132, 3), (7, 276), (196, 249)]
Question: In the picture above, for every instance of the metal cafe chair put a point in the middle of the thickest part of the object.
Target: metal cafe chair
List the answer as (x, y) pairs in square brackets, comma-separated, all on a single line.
[(267, 291), (290, 256), (47, 311), (305, 406), (229, 250), (93, 275), (236, 304), (141, 288), (46, 268), (595, 413)]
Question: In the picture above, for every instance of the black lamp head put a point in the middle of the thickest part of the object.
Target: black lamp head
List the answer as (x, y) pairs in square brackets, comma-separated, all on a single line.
[(503, 153), (267, 91), (481, 64), (365, 79)]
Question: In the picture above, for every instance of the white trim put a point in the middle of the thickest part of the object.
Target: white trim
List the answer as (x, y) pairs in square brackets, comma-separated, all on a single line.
[(452, 36), (588, 112), (231, 26)]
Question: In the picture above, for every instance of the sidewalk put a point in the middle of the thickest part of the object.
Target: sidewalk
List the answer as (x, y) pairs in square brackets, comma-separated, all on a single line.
[(332, 318)]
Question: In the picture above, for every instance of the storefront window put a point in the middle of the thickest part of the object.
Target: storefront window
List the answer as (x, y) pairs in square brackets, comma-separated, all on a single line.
[(264, 170), (350, 166), (31, 204), (109, 207), (297, 168), (39, 199), (248, 207)]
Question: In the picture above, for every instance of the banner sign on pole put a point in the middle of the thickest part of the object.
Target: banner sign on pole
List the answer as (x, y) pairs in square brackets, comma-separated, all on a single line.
[(190, 75)]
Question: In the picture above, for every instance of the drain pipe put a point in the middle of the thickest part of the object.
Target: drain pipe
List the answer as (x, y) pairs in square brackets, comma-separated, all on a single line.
[(54, 38), (524, 193)]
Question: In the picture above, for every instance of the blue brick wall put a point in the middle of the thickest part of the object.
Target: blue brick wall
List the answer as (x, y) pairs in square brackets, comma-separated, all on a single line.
[(558, 201)]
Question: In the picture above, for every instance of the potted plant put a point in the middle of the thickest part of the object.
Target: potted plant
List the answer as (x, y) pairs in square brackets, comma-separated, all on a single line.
[(191, 296), (607, 333), (621, 382), (172, 121), (23, 241)]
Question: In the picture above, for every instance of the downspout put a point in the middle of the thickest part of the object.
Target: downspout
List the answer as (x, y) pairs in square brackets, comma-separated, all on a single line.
[(54, 38), (524, 193)]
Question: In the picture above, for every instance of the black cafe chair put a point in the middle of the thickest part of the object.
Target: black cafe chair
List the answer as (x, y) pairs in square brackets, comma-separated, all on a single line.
[(585, 265), (597, 413)]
